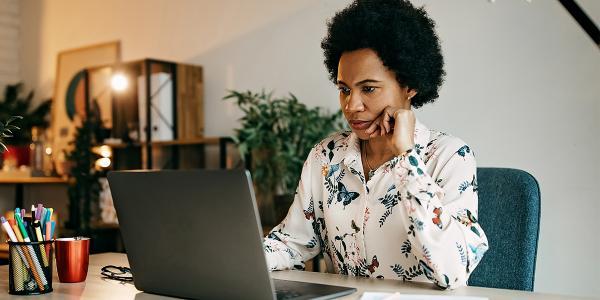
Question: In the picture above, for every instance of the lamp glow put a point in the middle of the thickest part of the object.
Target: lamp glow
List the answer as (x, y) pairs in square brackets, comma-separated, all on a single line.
[(119, 82), (105, 151), (103, 162)]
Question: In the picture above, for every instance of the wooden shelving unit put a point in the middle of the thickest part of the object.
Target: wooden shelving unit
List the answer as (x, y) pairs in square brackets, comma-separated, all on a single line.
[(133, 122), (221, 142), (150, 82)]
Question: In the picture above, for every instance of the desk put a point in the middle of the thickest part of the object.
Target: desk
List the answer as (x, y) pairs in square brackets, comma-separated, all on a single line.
[(21, 182), (97, 288)]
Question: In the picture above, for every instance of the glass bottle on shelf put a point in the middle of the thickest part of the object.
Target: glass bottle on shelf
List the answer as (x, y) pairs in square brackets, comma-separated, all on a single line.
[(36, 158)]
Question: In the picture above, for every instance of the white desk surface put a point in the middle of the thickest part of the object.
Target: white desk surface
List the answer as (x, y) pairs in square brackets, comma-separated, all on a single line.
[(97, 288)]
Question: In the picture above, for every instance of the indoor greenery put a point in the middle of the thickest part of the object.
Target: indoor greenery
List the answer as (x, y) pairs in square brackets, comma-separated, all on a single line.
[(277, 134), (17, 104), (84, 185), (7, 129)]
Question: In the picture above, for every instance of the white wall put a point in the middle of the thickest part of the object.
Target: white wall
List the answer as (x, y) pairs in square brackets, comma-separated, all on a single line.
[(522, 86), (9, 67), (9, 42)]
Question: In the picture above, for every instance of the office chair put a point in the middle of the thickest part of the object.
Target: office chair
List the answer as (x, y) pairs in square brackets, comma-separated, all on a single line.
[(509, 213)]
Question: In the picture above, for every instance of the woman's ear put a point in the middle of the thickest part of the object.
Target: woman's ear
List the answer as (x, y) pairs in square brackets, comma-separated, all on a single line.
[(410, 93)]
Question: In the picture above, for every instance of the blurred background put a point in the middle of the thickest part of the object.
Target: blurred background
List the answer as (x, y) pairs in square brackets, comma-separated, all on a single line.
[(522, 88)]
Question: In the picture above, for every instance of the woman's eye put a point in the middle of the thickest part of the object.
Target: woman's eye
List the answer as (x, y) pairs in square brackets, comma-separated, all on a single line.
[(344, 90), (368, 89)]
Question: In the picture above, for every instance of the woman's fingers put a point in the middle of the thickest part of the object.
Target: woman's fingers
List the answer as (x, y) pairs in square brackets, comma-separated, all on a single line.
[(377, 129), (386, 122), (373, 134), (372, 128), (382, 125)]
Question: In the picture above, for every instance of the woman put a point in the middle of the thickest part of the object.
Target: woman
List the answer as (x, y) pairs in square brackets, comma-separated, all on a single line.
[(390, 199)]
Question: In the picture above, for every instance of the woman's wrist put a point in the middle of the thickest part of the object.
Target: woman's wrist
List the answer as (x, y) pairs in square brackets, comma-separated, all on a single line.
[(403, 151)]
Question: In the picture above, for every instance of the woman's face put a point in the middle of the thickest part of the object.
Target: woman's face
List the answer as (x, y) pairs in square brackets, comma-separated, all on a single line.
[(366, 88)]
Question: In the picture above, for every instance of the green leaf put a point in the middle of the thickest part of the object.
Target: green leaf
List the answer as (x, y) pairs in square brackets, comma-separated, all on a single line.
[(13, 118)]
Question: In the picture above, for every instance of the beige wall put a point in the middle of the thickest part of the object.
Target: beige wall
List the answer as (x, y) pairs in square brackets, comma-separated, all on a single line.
[(522, 86)]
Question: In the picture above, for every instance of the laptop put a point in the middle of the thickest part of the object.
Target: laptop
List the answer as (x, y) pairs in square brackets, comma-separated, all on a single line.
[(197, 234)]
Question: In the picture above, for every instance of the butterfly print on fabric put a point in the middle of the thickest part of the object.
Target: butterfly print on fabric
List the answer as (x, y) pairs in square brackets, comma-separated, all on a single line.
[(463, 151), (374, 264), (345, 196), (436, 220)]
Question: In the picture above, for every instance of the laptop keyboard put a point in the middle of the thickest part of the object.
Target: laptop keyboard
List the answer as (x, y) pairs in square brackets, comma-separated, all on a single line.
[(286, 294)]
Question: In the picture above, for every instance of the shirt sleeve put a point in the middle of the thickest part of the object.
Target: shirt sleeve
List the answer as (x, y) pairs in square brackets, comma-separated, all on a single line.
[(442, 216), (294, 240)]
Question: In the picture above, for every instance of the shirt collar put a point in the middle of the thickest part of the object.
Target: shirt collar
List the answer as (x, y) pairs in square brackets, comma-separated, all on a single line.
[(352, 155)]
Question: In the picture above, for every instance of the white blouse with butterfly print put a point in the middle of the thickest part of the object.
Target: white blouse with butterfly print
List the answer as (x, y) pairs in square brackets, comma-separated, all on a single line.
[(415, 219)]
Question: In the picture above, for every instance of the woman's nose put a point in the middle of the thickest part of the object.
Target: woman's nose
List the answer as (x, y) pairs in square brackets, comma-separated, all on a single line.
[(354, 102)]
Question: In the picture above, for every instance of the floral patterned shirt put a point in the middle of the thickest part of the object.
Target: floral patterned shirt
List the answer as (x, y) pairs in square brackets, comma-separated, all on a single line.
[(414, 219)]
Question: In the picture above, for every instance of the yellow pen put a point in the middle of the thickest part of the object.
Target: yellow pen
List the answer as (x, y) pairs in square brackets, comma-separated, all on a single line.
[(38, 234)]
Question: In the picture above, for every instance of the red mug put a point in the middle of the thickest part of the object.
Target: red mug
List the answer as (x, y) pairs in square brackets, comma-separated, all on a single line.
[(72, 258)]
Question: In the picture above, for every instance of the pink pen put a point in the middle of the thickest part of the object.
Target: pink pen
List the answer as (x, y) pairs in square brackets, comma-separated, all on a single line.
[(48, 236), (48, 231), (38, 212)]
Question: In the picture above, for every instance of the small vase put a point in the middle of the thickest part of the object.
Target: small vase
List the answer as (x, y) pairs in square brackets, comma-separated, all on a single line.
[(36, 153)]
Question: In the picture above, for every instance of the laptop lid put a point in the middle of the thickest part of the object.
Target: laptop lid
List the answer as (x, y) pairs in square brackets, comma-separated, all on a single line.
[(193, 233)]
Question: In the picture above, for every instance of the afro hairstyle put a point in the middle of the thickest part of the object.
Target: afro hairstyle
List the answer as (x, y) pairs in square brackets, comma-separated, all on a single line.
[(403, 37)]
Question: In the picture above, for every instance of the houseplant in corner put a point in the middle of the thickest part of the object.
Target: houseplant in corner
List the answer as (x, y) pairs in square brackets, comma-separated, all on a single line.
[(84, 185), (16, 104), (7, 129), (277, 134)]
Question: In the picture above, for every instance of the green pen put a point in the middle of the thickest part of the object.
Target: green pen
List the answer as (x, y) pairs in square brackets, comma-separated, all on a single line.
[(22, 228)]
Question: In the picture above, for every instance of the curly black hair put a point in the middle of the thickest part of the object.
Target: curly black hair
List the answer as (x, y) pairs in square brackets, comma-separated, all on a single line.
[(403, 37)]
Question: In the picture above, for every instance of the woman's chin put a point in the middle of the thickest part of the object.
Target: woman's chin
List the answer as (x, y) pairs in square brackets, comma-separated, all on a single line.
[(361, 134)]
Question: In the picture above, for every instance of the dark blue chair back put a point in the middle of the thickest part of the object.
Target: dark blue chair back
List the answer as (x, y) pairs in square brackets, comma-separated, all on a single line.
[(509, 213)]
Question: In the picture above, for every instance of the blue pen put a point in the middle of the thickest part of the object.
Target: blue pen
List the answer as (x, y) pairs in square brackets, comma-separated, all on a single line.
[(52, 230), (49, 215)]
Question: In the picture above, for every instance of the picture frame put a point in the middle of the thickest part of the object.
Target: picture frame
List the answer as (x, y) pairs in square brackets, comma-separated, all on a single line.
[(68, 107)]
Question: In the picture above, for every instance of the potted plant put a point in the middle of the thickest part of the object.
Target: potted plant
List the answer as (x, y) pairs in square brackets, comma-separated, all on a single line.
[(16, 104), (7, 129), (277, 134), (84, 184)]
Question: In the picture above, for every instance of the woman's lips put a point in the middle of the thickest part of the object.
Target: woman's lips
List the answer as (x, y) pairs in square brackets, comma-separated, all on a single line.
[(359, 124)]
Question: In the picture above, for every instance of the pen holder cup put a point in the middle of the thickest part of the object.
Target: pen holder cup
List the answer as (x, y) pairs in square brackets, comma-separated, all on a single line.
[(30, 267)]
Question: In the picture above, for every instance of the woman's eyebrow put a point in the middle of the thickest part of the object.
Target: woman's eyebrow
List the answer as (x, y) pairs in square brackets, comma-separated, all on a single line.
[(362, 82), (367, 81)]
